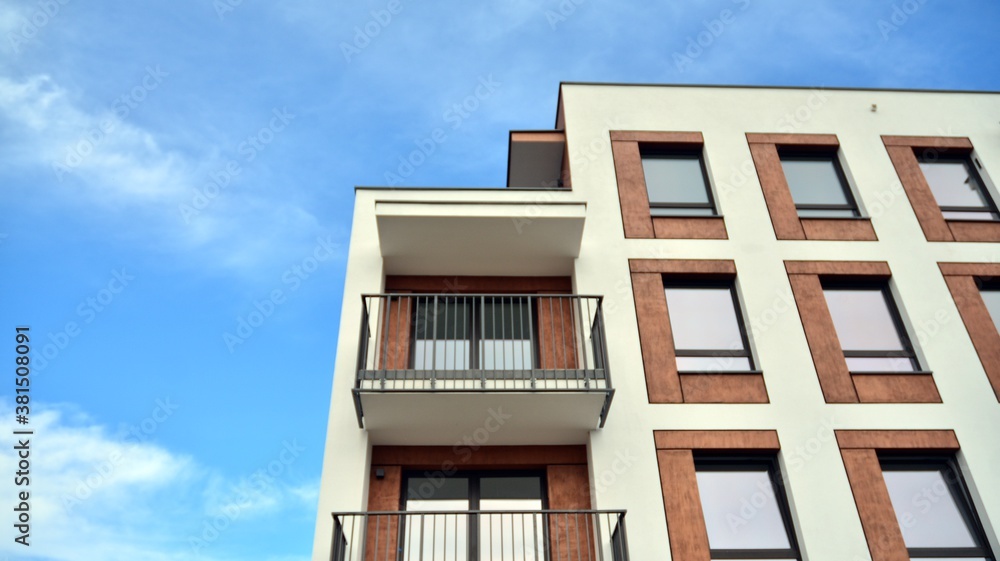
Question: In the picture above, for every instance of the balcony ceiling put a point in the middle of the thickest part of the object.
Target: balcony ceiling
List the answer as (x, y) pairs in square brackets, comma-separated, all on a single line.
[(535, 158), (447, 418), (475, 238)]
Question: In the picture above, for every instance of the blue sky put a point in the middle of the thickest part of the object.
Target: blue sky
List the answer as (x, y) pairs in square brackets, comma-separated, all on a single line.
[(171, 170)]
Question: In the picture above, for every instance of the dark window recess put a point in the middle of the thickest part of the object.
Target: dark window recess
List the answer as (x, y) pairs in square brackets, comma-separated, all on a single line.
[(818, 185), (957, 187), (676, 183), (869, 328), (707, 326), (726, 485), (933, 508)]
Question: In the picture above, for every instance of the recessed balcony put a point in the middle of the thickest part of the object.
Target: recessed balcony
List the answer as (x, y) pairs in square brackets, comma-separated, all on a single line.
[(480, 535), (437, 368)]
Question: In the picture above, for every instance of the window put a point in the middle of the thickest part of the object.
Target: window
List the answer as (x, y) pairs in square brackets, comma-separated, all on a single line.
[(957, 187), (806, 189), (695, 348), (858, 344), (461, 536), (933, 509), (676, 183), (725, 487), (947, 187), (869, 329), (912, 507), (461, 333), (818, 185), (707, 328), (976, 292), (664, 186), (991, 297)]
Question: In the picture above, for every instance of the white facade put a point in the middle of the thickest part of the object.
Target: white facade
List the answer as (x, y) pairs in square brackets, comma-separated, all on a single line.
[(578, 232)]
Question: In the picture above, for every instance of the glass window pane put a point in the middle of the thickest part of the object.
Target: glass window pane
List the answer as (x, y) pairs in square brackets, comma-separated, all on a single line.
[(992, 299), (926, 510), (880, 364), (827, 213), (863, 320), (511, 488), (712, 363), (441, 355), (970, 215), (441, 489), (741, 511), (952, 184), (674, 179), (510, 318), (814, 181), (680, 211), (447, 318), (703, 318)]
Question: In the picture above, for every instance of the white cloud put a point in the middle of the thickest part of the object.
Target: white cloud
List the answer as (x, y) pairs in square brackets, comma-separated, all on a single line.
[(101, 161), (95, 494)]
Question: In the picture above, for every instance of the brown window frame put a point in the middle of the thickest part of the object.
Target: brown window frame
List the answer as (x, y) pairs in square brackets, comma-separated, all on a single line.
[(862, 452), (964, 281), (902, 152), (664, 384), (788, 225), (638, 222), (675, 455), (838, 383)]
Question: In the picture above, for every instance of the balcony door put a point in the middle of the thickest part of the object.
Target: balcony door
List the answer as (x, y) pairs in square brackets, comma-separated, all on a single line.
[(473, 333), (474, 517)]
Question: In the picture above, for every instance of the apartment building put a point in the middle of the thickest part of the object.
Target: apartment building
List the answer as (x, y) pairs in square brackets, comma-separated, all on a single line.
[(698, 323)]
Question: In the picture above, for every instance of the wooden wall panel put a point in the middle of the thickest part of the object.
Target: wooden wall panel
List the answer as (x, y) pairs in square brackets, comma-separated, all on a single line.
[(824, 345), (656, 339), (723, 388), (919, 193), (780, 205), (557, 328), (682, 506), (896, 388), (762, 440), (978, 322), (885, 540), (632, 194)]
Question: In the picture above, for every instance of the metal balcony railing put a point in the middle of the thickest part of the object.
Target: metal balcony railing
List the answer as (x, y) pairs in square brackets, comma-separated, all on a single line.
[(482, 342), (545, 535)]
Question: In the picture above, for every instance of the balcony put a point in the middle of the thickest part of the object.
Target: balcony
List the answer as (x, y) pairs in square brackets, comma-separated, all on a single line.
[(435, 368), (546, 535)]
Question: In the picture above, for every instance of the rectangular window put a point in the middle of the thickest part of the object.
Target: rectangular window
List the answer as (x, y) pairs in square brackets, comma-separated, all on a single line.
[(933, 509), (726, 487), (956, 187), (676, 183), (818, 185), (707, 328), (870, 331), (431, 530), (486, 333)]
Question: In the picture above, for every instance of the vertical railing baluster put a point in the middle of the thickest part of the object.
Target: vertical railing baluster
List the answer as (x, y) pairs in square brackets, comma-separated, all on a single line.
[(532, 304)]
